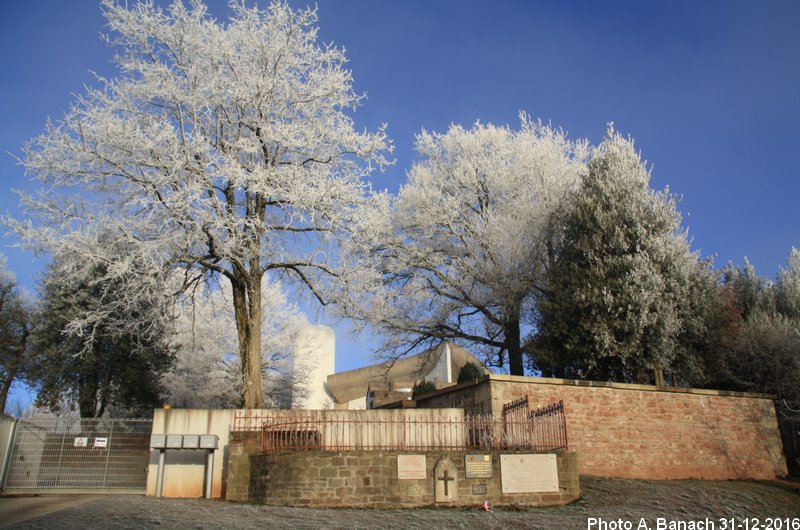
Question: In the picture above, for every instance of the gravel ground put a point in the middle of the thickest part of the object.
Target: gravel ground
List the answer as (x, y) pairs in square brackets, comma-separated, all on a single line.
[(609, 499)]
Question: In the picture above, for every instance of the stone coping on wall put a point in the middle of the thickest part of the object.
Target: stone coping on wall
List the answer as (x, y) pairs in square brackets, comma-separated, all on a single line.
[(626, 386), (595, 384)]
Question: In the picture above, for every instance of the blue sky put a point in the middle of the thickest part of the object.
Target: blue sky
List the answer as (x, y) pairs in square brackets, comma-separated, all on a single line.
[(710, 91)]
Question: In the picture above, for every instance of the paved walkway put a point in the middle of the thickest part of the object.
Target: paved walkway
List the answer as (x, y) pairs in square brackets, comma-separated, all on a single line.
[(15, 510), (603, 499)]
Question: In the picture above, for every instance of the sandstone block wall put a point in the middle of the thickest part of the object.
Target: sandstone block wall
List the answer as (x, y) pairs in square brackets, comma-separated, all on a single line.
[(370, 479), (641, 431)]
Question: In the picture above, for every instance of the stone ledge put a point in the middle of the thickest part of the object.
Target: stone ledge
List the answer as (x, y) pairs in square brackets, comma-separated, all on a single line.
[(607, 384)]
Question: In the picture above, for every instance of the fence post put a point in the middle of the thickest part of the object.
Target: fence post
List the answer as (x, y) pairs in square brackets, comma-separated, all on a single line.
[(108, 451), (60, 456), (12, 434)]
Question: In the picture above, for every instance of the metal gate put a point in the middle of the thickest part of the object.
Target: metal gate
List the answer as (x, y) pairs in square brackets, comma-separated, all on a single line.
[(79, 453), (789, 424)]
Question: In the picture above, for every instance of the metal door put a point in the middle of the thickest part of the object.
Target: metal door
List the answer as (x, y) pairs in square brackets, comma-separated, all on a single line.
[(82, 454)]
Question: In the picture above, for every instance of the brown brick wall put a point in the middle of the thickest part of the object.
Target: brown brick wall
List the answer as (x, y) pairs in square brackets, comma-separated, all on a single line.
[(638, 431), (369, 479)]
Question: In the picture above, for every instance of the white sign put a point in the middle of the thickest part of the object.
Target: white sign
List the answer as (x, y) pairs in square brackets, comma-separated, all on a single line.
[(411, 467), (101, 442), (81, 442), (529, 473)]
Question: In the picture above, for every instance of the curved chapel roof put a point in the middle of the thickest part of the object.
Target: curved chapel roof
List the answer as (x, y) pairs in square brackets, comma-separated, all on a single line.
[(353, 384)]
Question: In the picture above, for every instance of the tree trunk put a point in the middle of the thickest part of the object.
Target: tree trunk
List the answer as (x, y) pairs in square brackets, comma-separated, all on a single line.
[(658, 373), (87, 396), (247, 309), (13, 367), (6, 386), (511, 331)]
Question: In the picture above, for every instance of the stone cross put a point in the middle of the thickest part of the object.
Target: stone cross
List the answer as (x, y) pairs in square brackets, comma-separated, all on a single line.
[(446, 478)]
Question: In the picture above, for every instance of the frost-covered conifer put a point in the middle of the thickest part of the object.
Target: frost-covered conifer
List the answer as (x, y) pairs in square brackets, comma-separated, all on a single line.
[(612, 303)]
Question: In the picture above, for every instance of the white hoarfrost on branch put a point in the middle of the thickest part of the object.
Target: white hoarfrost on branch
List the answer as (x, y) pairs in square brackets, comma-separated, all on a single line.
[(207, 371), (220, 148), (461, 253)]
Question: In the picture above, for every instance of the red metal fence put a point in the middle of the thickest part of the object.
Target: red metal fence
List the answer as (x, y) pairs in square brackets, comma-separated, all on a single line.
[(547, 425), (539, 430)]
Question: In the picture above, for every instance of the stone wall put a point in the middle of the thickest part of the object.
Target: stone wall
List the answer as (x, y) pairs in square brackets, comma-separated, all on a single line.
[(370, 479), (645, 432)]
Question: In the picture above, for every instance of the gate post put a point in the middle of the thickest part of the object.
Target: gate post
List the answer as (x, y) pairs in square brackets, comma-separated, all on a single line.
[(108, 450), (12, 434), (60, 456)]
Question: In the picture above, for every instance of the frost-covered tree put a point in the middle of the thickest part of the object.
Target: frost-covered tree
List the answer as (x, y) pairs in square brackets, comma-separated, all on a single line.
[(764, 356), (710, 320), (611, 309), (16, 315), (115, 359), (461, 252), (753, 293), (207, 369), (224, 148), (787, 287)]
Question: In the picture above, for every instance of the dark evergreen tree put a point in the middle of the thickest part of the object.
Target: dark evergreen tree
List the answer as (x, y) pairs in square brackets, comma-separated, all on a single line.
[(470, 372), (115, 363), (611, 309)]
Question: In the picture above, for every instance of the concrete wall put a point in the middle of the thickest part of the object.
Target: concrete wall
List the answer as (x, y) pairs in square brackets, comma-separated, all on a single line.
[(184, 469), (184, 473), (370, 479), (354, 404), (641, 431)]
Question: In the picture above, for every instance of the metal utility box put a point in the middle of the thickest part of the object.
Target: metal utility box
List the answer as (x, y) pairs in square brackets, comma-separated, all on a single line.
[(191, 441), (209, 441), (174, 441), (158, 441)]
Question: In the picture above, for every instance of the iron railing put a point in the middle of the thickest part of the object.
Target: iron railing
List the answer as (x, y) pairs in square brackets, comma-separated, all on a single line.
[(546, 423), (542, 430)]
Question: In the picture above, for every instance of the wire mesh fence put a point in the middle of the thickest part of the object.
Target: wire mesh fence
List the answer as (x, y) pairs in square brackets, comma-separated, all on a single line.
[(79, 453)]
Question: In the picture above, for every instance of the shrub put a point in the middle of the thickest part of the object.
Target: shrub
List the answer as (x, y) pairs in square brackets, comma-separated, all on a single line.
[(470, 372), (423, 387)]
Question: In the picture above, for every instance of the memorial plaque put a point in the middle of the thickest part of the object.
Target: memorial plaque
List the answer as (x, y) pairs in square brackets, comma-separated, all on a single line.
[(480, 489), (529, 473), (411, 467), (478, 466)]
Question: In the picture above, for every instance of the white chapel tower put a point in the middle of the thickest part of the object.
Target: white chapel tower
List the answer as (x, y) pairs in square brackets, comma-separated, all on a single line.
[(314, 360)]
